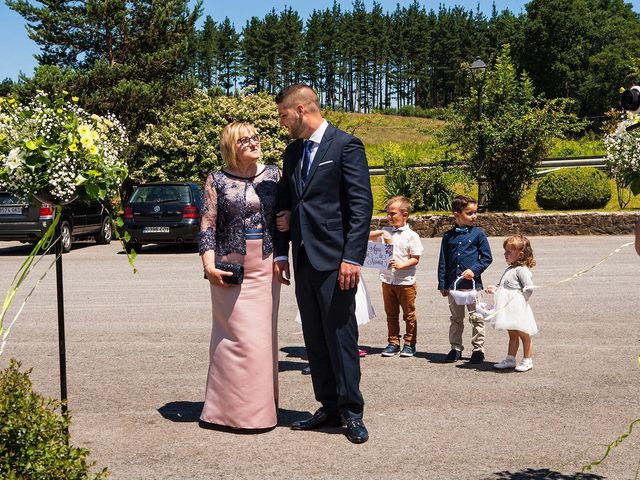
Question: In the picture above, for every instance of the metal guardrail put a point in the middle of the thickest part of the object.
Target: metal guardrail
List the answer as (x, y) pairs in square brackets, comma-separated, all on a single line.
[(546, 164)]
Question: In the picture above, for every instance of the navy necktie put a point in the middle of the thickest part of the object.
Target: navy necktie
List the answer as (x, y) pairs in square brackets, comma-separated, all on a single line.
[(306, 160)]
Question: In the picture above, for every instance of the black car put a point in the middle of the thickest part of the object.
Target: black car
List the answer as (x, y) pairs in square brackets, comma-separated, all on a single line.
[(163, 212), (25, 221)]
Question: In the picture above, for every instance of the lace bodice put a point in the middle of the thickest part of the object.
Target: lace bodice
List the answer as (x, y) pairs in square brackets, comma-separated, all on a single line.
[(233, 204)]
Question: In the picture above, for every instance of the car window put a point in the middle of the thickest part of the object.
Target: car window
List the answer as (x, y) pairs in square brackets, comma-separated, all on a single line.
[(9, 199), (161, 193)]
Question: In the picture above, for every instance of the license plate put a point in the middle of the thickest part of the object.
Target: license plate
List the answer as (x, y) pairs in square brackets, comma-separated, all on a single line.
[(10, 210), (155, 230)]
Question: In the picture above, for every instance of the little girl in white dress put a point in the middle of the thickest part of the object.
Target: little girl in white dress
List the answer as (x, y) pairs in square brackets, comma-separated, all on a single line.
[(512, 310)]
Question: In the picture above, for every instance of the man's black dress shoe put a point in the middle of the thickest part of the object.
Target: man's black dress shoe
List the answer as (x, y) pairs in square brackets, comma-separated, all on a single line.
[(319, 419), (356, 431), (306, 371)]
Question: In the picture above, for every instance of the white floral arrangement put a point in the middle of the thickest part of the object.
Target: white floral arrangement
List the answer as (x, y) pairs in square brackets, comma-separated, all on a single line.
[(623, 154), (53, 146)]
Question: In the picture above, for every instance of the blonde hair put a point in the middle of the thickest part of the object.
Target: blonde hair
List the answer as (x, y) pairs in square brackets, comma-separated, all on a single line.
[(403, 203), (521, 244), (229, 138)]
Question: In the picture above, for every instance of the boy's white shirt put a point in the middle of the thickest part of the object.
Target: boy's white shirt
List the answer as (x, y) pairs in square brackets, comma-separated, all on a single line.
[(406, 243)]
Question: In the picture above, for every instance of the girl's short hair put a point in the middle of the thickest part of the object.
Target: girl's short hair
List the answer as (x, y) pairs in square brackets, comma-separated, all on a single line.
[(403, 203), (228, 139), (521, 244)]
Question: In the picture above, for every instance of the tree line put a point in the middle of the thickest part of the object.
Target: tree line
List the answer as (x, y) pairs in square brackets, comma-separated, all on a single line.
[(135, 58), (362, 59)]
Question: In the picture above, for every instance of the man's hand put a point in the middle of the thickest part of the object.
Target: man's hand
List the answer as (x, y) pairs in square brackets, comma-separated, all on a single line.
[(349, 275), (444, 292), (283, 220), (281, 271)]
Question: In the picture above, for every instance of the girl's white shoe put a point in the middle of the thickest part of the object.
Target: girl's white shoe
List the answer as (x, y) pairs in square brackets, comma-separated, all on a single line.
[(509, 362), (526, 365)]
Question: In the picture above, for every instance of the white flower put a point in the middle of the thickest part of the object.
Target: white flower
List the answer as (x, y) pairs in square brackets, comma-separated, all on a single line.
[(14, 160)]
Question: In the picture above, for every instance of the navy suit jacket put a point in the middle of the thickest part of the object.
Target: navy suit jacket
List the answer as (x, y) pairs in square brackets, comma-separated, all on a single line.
[(332, 213)]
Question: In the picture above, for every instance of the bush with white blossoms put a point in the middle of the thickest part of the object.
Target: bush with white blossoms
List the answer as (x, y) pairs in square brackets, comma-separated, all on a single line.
[(623, 154), (51, 145)]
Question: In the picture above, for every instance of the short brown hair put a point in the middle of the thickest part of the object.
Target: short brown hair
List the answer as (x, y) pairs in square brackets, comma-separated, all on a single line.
[(298, 93), (460, 202), (403, 202), (521, 244), (228, 139)]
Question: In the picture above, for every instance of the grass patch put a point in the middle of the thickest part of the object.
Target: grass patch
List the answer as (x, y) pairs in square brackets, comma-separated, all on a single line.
[(527, 202)]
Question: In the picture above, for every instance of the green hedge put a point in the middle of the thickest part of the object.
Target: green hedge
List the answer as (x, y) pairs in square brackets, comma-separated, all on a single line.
[(574, 189), (34, 443)]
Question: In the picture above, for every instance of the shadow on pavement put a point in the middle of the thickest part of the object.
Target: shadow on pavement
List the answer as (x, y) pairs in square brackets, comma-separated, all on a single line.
[(288, 366), (541, 473), (181, 411), (295, 352)]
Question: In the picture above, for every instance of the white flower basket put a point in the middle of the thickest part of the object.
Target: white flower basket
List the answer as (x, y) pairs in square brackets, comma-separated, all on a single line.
[(485, 306), (464, 297)]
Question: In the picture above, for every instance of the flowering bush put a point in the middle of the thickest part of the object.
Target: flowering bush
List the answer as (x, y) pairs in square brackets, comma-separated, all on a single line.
[(185, 142), (52, 145), (623, 154)]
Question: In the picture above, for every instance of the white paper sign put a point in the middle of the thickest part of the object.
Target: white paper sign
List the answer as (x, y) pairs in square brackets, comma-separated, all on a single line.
[(378, 255)]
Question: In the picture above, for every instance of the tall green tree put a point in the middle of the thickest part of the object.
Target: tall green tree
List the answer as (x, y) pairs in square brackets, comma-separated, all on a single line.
[(228, 55), (517, 128)]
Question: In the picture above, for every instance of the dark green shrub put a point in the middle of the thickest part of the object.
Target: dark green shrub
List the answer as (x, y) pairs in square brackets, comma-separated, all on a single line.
[(430, 189), (574, 188), (426, 189), (33, 434)]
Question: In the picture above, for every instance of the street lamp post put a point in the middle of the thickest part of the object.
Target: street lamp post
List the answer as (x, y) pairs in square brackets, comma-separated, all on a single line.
[(478, 68)]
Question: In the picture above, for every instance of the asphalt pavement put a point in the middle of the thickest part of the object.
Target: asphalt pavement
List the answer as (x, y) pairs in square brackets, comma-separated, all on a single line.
[(137, 353)]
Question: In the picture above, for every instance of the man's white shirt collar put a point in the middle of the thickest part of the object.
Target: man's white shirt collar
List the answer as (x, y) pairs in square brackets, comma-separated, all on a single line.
[(316, 136)]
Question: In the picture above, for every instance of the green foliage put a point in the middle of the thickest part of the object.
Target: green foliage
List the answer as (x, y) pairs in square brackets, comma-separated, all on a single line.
[(431, 189), (124, 58), (185, 143), (414, 111), (584, 49), (516, 128), (574, 189), (588, 145), (427, 189), (33, 434)]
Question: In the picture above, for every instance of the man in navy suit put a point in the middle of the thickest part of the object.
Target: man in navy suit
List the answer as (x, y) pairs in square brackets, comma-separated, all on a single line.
[(325, 183)]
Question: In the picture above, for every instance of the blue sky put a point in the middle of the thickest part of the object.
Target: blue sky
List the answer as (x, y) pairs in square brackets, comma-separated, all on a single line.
[(17, 50)]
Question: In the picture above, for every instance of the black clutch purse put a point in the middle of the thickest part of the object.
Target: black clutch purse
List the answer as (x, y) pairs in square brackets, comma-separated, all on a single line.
[(236, 269)]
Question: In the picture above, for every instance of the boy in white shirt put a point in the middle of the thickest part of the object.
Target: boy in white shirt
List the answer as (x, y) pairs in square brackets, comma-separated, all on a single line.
[(399, 280)]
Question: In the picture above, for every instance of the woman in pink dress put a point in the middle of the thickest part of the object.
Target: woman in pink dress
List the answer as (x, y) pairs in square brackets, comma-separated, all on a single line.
[(238, 227)]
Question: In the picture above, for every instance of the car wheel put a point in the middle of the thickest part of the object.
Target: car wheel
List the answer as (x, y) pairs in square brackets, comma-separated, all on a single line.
[(104, 236), (129, 247), (65, 233)]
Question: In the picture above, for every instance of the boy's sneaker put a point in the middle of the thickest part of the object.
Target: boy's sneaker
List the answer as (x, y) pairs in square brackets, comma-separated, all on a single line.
[(526, 365), (408, 351), (453, 356), (390, 350), (477, 357), (509, 362)]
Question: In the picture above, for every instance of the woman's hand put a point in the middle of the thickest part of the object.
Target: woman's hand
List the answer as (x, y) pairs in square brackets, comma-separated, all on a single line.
[(491, 289), (215, 276), (283, 220)]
